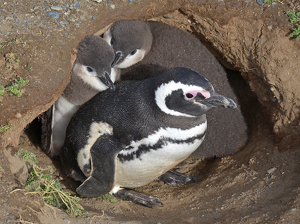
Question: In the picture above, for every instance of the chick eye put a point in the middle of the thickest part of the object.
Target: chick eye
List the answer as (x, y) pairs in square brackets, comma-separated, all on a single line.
[(112, 42), (89, 69), (133, 52)]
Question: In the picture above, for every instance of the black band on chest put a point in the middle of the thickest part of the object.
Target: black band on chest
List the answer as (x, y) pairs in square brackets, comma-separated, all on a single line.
[(160, 143)]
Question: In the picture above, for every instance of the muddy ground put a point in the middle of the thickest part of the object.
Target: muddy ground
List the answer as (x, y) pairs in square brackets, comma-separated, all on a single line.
[(259, 184)]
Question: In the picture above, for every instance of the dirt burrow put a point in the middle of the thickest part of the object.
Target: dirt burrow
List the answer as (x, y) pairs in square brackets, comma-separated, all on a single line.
[(258, 184)]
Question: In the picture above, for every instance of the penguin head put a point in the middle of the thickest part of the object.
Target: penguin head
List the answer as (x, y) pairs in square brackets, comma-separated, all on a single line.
[(183, 92), (93, 62), (131, 41)]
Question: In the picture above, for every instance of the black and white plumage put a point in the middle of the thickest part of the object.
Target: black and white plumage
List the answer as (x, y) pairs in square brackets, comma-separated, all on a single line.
[(91, 73), (171, 47), (129, 137)]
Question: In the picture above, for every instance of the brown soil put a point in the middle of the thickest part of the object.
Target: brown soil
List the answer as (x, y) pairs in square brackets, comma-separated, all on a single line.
[(259, 184)]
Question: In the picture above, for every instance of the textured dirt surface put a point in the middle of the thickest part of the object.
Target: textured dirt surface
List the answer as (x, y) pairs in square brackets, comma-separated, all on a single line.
[(259, 184)]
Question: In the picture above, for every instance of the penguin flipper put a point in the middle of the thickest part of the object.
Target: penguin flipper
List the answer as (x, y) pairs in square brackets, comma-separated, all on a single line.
[(102, 177), (138, 198), (174, 178), (47, 125)]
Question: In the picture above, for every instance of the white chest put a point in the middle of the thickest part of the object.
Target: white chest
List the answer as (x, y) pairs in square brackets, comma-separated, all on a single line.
[(158, 156)]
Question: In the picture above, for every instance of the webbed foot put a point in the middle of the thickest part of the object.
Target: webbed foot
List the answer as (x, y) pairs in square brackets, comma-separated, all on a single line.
[(174, 178), (138, 198)]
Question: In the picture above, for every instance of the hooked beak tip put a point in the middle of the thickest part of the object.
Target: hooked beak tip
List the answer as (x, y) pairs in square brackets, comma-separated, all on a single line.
[(110, 83), (117, 59), (230, 104)]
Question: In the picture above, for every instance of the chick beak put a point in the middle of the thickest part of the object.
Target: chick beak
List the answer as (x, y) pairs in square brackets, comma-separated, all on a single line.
[(107, 81), (118, 58)]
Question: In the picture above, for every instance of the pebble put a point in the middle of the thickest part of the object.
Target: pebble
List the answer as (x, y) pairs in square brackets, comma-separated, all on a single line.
[(270, 27), (77, 4), (260, 2), (62, 22), (18, 115), (56, 8), (66, 220), (93, 17), (97, 1), (54, 14), (270, 171)]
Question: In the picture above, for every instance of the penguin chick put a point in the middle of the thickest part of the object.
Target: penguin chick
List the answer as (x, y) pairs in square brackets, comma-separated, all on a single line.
[(171, 47), (130, 137), (91, 73), (129, 51)]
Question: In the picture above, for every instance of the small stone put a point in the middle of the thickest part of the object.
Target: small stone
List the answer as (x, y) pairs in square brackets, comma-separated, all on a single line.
[(97, 1), (269, 27), (113, 6), (62, 22), (77, 4), (274, 3), (66, 220), (260, 2), (18, 115), (56, 8), (93, 18), (54, 14), (270, 171)]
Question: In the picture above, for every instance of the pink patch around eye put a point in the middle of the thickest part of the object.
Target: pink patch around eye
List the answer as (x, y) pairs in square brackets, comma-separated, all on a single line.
[(192, 94)]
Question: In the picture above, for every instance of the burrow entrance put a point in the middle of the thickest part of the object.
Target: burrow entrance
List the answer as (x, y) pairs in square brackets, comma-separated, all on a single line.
[(240, 187)]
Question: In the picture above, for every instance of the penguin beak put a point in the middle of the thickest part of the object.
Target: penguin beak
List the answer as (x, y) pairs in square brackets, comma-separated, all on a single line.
[(217, 100), (107, 81), (118, 58)]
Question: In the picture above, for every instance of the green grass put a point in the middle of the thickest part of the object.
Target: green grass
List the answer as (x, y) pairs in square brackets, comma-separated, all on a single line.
[(269, 1), (14, 88), (41, 182), (108, 197), (2, 90), (295, 18), (28, 156), (5, 127)]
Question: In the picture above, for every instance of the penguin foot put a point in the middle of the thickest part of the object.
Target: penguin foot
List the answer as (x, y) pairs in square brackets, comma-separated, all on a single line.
[(174, 178), (138, 198)]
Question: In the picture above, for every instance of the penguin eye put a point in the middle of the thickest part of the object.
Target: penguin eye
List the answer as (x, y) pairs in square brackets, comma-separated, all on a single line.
[(133, 52), (189, 96), (89, 69)]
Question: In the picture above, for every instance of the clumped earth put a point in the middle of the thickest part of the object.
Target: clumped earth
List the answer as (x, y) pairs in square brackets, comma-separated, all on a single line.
[(259, 184)]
